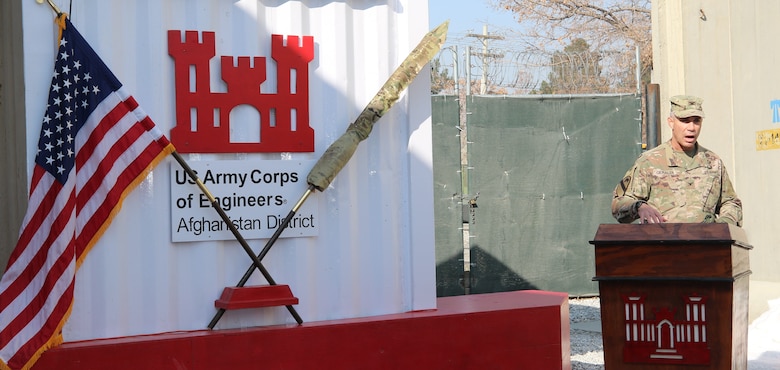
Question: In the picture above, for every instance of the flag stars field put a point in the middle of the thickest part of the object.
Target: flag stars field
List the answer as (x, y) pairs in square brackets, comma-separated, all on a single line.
[(67, 84)]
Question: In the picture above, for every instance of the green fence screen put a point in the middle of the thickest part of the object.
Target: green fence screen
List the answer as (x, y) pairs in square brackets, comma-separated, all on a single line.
[(541, 171)]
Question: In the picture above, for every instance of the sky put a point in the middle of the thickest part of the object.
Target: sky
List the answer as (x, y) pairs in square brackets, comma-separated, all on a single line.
[(467, 16)]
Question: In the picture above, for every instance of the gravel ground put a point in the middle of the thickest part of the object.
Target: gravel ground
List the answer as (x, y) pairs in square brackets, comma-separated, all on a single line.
[(587, 351)]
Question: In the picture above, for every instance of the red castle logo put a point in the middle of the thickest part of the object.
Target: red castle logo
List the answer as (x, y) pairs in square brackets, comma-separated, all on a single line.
[(203, 117), (666, 339)]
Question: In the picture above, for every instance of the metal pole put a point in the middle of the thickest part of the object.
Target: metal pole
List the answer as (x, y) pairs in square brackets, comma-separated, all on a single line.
[(468, 72), (653, 107), (483, 84), (268, 246), (261, 255), (464, 181), (455, 75), (638, 72)]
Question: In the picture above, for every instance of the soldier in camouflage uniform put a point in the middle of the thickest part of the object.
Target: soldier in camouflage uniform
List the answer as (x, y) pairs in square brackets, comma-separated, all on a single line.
[(678, 181)]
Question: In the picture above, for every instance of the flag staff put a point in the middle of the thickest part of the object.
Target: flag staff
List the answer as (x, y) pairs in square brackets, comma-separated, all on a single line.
[(340, 151), (52, 5), (214, 203)]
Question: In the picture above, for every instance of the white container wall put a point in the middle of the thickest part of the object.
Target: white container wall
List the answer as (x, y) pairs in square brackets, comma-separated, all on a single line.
[(374, 252)]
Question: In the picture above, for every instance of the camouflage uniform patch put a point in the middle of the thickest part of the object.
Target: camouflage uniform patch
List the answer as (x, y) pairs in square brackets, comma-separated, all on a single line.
[(621, 190)]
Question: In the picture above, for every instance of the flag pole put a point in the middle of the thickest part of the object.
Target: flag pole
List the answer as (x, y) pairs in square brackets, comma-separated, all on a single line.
[(52, 5), (215, 204), (265, 250), (340, 151)]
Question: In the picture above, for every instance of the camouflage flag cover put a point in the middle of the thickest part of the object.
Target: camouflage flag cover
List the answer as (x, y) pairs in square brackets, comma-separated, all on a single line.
[(339, 153)]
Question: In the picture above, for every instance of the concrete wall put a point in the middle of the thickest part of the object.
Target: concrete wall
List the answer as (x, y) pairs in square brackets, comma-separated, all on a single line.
[(13, 146), (726, 52)]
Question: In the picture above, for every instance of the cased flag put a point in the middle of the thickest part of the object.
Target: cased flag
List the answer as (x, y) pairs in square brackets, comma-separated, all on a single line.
[(95, 146)]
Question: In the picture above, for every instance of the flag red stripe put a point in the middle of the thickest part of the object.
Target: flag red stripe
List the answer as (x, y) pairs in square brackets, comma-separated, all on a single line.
[(37, 301), (106, 163), (50, 329), (96, 135), (36, 264), (30, 226), (36, 177), (131, 103), (101, 214), (105, 209), (38, 260)]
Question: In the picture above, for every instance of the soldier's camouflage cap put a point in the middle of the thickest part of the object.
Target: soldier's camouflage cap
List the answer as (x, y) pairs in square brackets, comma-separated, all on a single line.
[(684, 106)]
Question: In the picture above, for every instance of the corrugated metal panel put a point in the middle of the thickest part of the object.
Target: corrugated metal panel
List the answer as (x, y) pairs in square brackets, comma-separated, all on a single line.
[(375, 250)]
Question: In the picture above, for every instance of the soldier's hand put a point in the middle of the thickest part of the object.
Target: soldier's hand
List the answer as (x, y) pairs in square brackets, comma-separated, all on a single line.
[(649, 215)]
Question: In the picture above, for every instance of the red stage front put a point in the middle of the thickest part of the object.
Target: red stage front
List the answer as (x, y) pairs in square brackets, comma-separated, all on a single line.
[(512, 330)]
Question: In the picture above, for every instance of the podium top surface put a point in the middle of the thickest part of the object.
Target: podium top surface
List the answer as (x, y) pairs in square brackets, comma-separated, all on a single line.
[(673, 233), (712, 252)]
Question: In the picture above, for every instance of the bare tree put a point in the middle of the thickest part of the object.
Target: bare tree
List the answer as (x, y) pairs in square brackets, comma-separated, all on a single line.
[(575, 70), (440, 77), (606, 25)]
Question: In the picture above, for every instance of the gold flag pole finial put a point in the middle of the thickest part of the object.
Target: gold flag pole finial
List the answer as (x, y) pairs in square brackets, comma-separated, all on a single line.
[(52, 5)]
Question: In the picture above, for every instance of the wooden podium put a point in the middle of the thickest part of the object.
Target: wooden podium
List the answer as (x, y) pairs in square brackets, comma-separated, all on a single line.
[(673, 296)]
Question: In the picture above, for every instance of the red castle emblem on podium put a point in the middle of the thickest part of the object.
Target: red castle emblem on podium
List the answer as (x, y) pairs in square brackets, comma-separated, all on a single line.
[(666, 339), (203, 117)]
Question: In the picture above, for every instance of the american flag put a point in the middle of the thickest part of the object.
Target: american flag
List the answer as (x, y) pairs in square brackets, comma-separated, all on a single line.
[(95, 146)]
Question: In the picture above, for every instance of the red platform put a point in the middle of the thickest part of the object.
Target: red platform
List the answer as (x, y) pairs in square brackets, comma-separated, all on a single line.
[(511, 330), (255, 296)]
